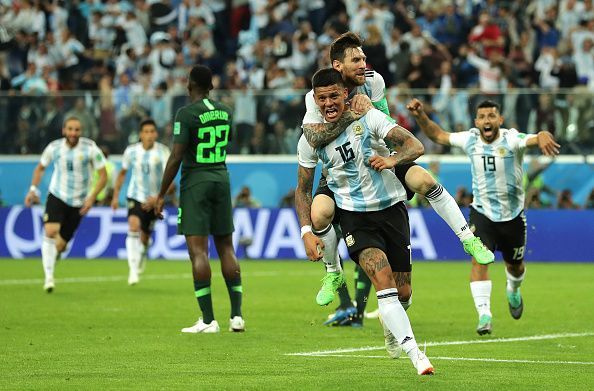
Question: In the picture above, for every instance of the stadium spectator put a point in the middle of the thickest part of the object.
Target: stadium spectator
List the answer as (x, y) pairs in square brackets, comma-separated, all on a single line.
[(496, 215), (589, 204), (244, 199), (565, 200), (206, 209), (146, 160), (70, 196)]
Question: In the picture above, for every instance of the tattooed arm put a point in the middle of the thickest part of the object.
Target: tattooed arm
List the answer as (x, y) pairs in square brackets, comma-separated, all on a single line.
[(319, 135), (407, 146), (303, 200)]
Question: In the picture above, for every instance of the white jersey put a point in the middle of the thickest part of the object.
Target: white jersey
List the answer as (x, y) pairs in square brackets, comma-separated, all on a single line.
[(73, 169), (355, 184), (147, 168), (496, 171), (374, 88)]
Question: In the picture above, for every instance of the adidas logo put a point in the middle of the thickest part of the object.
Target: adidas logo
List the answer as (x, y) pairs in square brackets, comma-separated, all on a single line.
[(406, 339)]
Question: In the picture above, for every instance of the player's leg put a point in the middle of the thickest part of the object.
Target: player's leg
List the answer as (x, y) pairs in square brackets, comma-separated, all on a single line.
[(513, 245), (147, 223), (222, 229), (194, 222), (421, 182), (480, 283), (49, 254), (133, 244), (322, 213), (375, 264)]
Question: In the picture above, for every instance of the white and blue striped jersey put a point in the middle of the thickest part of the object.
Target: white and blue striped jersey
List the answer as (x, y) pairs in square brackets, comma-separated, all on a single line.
[(73, 169), (496, 171), (355, 184), (374, 88), (147, 168)]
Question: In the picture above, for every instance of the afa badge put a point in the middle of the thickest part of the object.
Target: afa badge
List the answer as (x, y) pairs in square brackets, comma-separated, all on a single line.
[(357, 128), (350, 241), (501, 151)]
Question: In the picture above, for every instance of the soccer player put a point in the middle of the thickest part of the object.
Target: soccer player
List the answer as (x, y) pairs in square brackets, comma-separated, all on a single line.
[(348, 58), (497, 210), (373, 217), (200, 137), (69, 199), (147, 160)]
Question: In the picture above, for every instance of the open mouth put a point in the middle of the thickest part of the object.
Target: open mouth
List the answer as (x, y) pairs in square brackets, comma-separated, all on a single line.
[(488, 131), (331, 113)]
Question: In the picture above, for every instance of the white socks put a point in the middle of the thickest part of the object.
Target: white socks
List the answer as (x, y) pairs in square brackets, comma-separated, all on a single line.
[(49, 254), (330, 239), (445, 206), (513, 283), (395, 319), (481, 293), (134, 251)]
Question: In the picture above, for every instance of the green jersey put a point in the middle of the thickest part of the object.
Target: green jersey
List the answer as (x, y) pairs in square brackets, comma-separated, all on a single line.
[(204, 126)]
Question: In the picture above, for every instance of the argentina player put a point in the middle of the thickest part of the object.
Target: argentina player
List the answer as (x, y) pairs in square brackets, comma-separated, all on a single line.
[(497, 210)]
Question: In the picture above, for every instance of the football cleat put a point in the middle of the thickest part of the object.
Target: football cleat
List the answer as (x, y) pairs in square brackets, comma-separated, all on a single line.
[(484, 325), (133, 279), (201, 327), (49, 285), (237, 324), (341, 315), (330, 283), (516, 304), (475, 247), (422, 363)]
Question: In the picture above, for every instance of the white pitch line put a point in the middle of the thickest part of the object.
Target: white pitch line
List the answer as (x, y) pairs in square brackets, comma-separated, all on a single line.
[(179, 276), (447, 343), (384, 357)]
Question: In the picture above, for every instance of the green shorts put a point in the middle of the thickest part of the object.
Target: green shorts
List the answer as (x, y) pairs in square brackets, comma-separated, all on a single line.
[(205, 209)]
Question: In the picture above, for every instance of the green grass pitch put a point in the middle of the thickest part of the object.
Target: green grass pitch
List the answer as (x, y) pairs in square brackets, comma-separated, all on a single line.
[(96, 332)]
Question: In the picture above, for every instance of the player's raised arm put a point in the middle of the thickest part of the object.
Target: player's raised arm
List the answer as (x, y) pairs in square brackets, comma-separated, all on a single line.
[(546, 142), (430, 128)]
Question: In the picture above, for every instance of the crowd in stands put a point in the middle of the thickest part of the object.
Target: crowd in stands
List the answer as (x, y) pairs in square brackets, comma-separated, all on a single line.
[(113, 63)]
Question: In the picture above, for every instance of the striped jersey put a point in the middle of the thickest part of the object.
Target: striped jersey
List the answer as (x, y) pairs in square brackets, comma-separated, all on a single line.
[(355, 184), (374, 88), (146, 167), (73, 169), (496, 171)]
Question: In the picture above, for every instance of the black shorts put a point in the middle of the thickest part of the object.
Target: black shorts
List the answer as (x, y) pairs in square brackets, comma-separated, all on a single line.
[(57, 211), (386, 229), (147, 219), (400, 170), (509, 237)]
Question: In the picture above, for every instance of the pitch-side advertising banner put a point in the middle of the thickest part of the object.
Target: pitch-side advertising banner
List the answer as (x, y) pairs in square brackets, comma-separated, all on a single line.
[(275, 234)]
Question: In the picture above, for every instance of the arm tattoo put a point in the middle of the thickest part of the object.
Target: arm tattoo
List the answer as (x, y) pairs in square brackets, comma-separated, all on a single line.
[(373, 260), (405, 143), (319, 135), (303, 198)]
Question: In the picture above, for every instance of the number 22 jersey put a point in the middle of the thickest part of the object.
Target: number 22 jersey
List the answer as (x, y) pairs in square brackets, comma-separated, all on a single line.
[(204, 126)]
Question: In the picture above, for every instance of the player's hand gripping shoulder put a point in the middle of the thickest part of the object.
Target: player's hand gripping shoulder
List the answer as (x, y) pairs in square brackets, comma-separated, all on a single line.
[(360, 105), (547, 143)]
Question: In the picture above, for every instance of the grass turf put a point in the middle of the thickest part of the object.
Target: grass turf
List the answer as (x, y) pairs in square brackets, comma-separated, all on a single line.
[(94, 331)]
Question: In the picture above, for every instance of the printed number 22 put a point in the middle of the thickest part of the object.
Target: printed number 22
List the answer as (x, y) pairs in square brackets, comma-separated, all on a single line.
[(346, 152), (212, 150)]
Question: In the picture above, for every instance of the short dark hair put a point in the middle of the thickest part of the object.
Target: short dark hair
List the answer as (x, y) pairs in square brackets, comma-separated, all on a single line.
[(486, 104), (147, 121), (326, 77), (201, 76), (348, 40)]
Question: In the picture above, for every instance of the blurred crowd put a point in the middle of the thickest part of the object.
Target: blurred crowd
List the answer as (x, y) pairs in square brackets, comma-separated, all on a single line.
[(115, 62)]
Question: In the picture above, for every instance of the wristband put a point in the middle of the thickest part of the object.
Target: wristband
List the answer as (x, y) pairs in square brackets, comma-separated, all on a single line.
[(34, 189), (305, 229)]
